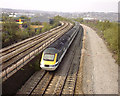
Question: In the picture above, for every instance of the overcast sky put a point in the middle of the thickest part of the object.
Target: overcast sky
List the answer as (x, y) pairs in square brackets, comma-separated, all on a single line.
[(63, 5)]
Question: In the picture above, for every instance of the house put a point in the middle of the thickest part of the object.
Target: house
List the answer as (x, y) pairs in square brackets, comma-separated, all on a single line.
[(12, 15)]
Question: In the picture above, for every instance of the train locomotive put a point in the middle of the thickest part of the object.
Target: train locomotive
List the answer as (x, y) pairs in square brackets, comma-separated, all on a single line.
[(52, 55)]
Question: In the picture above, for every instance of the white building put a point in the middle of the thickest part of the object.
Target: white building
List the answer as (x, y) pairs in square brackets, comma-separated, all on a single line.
[(12, 15)]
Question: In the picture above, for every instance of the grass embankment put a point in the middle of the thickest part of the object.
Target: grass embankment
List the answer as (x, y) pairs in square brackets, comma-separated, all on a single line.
[(109, 32)]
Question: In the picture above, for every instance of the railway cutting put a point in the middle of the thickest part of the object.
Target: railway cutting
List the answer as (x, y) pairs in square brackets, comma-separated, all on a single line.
[(63, 80)]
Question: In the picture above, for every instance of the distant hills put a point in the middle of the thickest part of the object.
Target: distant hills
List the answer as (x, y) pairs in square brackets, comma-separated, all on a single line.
[(111, 16)]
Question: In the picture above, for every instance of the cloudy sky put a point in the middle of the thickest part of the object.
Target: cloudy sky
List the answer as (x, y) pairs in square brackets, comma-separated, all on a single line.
[(63, 5)]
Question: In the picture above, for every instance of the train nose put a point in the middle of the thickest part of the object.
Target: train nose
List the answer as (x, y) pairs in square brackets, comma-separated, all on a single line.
[(49, 67)]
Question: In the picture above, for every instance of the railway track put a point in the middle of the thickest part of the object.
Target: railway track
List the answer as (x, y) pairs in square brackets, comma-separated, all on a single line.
[(21, 52), (20, 47), (17, 58), (59, 82), (16, 46)]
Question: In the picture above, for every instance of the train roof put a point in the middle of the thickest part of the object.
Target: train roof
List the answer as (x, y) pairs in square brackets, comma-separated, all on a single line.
[(56, 46), (51, 50), (59, 43)]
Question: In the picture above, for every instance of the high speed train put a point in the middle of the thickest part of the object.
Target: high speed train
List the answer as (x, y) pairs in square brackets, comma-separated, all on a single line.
[(52, 56)]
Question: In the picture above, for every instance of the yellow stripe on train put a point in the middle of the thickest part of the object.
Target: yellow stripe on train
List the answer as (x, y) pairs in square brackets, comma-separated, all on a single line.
[(49, 62)]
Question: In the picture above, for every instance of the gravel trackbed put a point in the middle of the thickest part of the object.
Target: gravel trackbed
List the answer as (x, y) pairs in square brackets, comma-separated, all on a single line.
[(100, 72)]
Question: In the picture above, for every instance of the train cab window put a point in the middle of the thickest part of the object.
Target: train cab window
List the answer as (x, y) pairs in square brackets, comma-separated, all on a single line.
[(49, 57)]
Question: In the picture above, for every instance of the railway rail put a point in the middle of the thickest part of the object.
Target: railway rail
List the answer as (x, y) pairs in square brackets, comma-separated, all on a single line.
[(18, 57), (8, 59), (13, 50), (14, 47), (59, 82)]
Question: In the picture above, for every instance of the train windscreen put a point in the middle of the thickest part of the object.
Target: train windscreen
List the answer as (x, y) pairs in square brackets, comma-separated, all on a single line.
[(48, 57)]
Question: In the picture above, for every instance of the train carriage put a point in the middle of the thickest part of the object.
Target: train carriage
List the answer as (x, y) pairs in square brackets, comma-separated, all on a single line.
[(52, 56)]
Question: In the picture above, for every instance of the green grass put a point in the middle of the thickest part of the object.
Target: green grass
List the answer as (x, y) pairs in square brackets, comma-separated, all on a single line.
[(111, 36)]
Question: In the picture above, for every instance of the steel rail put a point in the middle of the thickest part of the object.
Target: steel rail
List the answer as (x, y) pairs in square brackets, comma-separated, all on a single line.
[(10, 70), (15, 46), (44, 82), (14, 53), (27, 49)]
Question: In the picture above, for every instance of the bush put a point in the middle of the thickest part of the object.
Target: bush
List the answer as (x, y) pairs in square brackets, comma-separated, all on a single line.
[(59, 18), (11, 33), (36, 23), (79, 20), (111, 36)]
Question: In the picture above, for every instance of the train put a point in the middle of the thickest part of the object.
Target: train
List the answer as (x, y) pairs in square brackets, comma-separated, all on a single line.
[(53, 55)]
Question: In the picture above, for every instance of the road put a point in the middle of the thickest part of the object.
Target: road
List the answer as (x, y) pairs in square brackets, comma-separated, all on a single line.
[(100, 72)]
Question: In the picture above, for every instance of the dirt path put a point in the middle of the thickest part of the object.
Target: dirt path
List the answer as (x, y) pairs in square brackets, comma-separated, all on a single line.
[(100, 72)]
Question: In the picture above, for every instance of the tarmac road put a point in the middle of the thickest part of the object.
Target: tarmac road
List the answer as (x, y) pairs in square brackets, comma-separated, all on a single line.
[(100, 72)]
